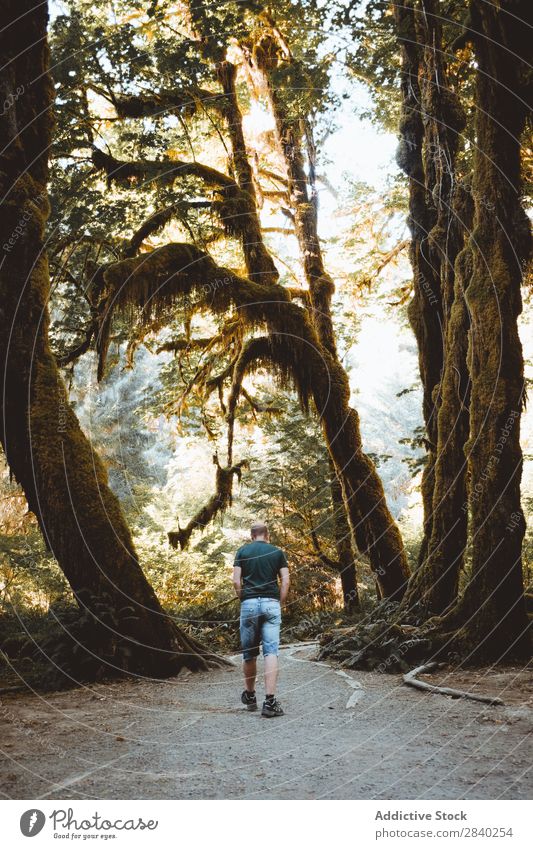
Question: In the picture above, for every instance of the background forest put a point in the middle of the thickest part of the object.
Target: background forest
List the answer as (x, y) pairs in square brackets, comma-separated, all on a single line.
[(202, 158)]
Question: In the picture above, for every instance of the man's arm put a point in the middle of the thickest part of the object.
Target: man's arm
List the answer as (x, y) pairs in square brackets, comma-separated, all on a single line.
[(237, 580), (285, 584)]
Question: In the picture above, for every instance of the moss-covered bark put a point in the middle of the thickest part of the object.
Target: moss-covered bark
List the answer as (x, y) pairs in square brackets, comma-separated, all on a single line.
[(435, 582), (185, 103), (425, 309), (289, 129), (444, 210), (491, 614), (488, 623), (344, 547), (259, 264), (64, 480), (237, 208)]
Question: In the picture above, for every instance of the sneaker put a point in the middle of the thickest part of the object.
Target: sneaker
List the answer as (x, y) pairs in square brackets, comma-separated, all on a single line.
[(272, 708), (249, 699)]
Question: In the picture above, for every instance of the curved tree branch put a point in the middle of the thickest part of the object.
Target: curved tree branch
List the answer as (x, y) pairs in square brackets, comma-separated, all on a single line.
[(158, 104), (164, 170), (154, 282), (218, 502)]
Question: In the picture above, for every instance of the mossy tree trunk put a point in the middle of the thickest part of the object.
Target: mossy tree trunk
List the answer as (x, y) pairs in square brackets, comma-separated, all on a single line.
[(343, 545), (426, 308), (237, 208), (260, 267), (435, 582), (242, 216), (492, 611), (63, 478), (436, 127)]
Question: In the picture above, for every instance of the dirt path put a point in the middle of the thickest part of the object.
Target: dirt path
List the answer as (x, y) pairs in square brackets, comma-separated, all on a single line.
[(345, 736)]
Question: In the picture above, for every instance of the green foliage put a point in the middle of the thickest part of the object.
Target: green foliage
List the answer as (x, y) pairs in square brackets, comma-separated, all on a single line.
[(29, 575), (372, 55)]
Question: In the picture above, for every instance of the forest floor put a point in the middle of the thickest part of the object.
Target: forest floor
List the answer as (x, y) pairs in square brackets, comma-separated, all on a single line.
[(345, 735)]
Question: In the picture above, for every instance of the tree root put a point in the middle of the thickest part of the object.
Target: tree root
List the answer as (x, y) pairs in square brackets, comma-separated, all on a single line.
[(411, 680)]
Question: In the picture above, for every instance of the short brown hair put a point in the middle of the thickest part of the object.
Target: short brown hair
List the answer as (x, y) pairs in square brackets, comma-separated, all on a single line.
[(258, 529)]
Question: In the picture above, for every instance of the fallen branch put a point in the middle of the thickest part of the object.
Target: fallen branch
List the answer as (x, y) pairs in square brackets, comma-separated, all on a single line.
[(410, 679)]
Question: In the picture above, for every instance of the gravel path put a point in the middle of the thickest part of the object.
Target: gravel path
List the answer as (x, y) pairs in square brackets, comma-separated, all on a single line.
[(345, 735)]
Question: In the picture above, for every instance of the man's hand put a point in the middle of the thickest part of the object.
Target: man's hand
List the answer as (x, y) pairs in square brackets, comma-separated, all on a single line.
[(285, 584), (237, 583)]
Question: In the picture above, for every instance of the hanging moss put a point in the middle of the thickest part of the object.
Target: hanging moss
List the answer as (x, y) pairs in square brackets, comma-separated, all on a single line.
[(185, 103), (217, 504), (440, 289)]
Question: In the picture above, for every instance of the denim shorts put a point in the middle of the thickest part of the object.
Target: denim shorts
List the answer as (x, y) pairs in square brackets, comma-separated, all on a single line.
[(260, 624)]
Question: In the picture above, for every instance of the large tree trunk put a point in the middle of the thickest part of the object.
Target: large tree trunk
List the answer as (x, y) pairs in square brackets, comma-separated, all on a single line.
[(64, 480), (343, 545), (438, 119), (373, 527), (426, 308), (435, 582), (242, 215), (492, 611), (260, 267)]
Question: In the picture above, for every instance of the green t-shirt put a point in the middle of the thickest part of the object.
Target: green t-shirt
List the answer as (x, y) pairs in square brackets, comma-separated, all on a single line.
[(260, 563)]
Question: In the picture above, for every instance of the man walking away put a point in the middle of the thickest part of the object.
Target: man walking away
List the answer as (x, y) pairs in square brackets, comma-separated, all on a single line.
[(258, 566)]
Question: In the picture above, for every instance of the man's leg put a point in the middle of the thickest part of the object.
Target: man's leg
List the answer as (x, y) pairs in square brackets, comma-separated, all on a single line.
[(271, 673), (270, 639), (249, 668), (249, 628)]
